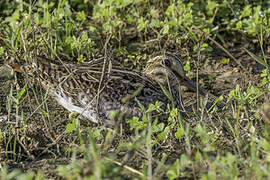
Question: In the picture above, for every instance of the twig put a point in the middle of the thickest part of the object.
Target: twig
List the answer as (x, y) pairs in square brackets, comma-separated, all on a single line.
[(127, 167), (106, 69)]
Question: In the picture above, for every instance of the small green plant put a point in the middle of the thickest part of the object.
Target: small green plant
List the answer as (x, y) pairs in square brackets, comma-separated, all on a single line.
[(247, 98), (17, 174)]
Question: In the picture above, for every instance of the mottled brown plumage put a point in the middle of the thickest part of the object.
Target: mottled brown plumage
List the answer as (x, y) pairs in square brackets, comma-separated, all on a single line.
[(78, 87)]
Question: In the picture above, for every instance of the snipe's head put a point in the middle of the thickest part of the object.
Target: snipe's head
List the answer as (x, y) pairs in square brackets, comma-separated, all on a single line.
[(163, 66)]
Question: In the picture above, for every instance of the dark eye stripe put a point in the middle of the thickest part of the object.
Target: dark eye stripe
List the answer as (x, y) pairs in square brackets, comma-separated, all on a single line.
[(175, 57), (166, 62)]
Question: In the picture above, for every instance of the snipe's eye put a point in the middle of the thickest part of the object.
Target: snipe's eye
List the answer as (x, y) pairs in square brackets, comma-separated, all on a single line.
[(166, 62)]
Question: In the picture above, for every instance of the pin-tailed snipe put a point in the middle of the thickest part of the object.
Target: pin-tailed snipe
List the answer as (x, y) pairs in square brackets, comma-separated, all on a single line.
[(78, 88)]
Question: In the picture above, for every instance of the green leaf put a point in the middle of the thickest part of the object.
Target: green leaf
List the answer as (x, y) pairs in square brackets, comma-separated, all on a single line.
[(239, 25), (174, 112), (211, 78), (246, 12), (187, 66), (21, 93), (179, 133), (1, 50), (211, 5), (71, 126), (151, 108), (162, 136), (142, 24), (142, 108), (225, 61), (166, 92), (133, 122), (158, 127), (256, 58), (165, 29), (264, 144)]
